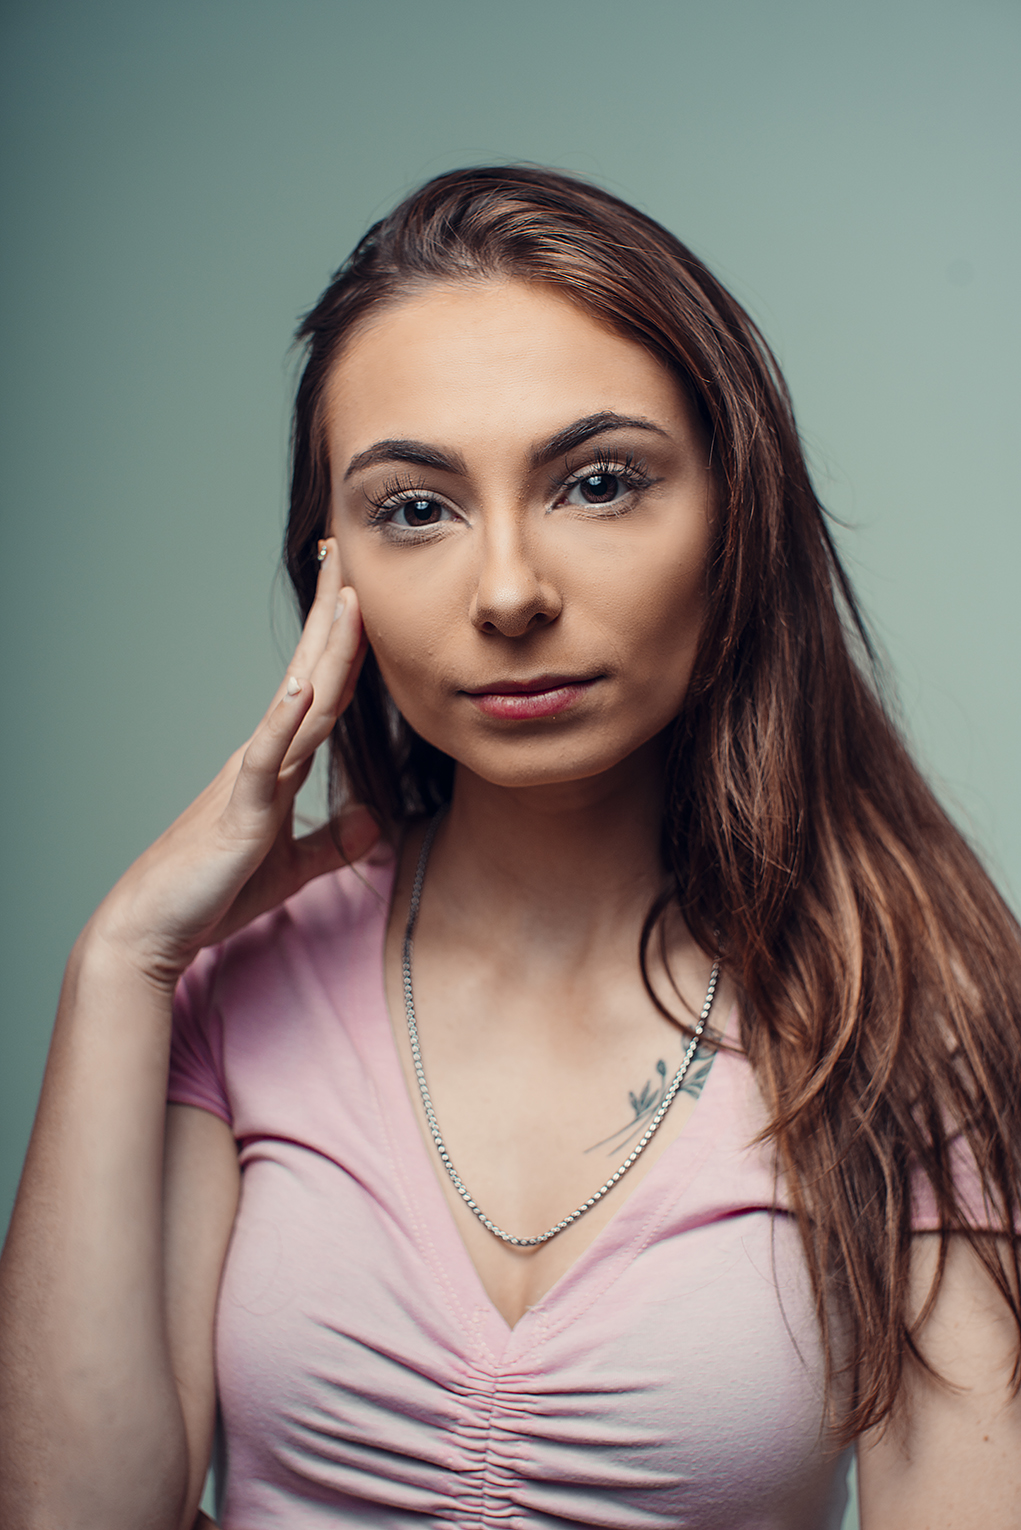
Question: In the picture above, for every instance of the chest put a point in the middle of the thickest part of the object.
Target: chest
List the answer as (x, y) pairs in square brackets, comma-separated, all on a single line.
[(670, 1375), (540, 1093)]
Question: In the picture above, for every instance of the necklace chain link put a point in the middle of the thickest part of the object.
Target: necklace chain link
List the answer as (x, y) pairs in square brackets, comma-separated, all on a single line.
[(430, 1113)]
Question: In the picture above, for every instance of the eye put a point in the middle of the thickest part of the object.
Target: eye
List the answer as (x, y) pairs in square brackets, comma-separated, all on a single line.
[(404, 506), (606, 483), (596, 489), (413, 514)]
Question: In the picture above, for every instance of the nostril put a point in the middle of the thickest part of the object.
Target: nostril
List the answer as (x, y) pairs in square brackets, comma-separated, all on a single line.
[(515, 605)]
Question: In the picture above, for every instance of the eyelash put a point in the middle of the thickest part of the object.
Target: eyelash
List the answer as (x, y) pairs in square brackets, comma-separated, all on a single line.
[(630, 470), (394, 493), (632, 473)]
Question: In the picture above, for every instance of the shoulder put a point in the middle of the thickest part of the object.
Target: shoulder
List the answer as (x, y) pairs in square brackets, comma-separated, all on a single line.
[(951, 1454), (331, 925), (265, 1009), (335, 913)]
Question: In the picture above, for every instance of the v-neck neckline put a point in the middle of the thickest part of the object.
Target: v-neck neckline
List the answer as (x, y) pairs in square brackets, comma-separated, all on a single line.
[(613, 1247)]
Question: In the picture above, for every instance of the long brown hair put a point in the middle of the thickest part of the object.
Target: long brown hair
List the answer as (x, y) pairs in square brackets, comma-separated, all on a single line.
[(880, 970)]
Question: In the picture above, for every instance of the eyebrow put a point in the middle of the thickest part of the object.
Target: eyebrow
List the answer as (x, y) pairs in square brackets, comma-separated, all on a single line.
[(421, 454)]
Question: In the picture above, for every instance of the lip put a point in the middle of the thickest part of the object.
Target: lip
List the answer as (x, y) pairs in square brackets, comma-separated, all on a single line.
[(523, 700)]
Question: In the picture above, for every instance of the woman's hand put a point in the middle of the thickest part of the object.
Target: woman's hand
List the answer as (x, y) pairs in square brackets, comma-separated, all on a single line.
[(232, 854), (98, 1429)]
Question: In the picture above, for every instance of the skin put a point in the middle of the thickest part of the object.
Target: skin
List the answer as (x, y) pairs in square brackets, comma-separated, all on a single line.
[(520, 577), (109, 1278)]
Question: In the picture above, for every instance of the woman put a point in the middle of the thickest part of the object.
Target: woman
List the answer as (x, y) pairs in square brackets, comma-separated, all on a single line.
[(696, 1158)]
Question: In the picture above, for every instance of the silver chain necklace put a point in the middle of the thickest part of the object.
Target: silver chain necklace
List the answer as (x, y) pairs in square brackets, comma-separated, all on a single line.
[(430, 1113)]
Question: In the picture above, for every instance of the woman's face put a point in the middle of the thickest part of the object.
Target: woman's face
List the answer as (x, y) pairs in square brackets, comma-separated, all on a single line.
[(522, 502)]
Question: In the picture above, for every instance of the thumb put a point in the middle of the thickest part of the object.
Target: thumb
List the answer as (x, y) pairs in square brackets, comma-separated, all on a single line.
[(340, 843)]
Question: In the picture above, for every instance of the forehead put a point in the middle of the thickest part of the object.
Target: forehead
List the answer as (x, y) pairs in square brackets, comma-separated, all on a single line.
[(501, 359)]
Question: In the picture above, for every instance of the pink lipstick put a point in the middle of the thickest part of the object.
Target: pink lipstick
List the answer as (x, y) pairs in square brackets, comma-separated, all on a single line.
[(523, 700)]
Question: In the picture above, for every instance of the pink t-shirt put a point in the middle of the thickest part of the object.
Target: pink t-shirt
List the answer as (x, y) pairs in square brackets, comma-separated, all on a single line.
[(672, 1377)]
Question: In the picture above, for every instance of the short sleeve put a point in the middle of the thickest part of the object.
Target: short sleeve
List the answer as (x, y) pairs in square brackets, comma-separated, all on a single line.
[(196, 1047)]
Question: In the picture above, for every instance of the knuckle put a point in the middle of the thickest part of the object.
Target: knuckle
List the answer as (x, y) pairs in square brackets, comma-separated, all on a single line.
[(251, 763)]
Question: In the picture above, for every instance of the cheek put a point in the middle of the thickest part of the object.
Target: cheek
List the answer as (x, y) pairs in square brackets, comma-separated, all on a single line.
[(654, 617), (635, 607), (406, 625)]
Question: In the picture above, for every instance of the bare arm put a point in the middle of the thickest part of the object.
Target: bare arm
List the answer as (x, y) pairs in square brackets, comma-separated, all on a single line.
[(105, 1355), (951, 1458), (200, 1195), (86, 1381)]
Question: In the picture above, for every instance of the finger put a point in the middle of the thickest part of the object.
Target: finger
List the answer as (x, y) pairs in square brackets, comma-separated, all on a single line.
[(318, 623), (256, 788), (348, 688), (334, 677)]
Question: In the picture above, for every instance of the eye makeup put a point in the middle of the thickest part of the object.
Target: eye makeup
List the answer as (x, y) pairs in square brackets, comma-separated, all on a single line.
[(609, 481), (602, 475)]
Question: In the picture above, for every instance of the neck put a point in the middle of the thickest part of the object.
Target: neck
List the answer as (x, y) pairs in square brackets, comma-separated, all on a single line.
[(565, 864)]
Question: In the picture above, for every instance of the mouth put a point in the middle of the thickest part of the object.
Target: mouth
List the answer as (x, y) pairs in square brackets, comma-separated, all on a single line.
[(523, 700)]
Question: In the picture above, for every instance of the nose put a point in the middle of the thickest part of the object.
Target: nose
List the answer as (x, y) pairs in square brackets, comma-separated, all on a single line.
[(512, 595)]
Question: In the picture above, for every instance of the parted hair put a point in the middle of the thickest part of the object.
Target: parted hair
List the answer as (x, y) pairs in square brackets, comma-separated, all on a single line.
[(879, 970)]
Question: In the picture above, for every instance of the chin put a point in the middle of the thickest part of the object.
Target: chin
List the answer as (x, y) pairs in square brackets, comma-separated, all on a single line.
[(523, 778), (553, 752), (543, 763)]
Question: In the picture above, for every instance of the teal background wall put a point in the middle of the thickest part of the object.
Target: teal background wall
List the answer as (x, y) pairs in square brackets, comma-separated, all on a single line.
[(180, 178)]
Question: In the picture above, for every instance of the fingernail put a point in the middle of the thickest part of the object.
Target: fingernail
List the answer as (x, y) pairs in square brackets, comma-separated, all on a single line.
[(293, 686), (338, 609)]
